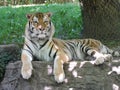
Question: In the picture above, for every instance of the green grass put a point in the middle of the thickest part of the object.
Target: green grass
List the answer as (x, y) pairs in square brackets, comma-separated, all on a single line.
[(66, 18)]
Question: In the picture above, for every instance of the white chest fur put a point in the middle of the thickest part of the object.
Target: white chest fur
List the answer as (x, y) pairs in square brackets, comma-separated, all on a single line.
[(42, 54)]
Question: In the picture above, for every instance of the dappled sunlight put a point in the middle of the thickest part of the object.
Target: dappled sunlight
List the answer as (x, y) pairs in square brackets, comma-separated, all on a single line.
[(49, 69), (18, 6), (71, 88), (48, 88), (66, 80), (115, 87), (83, 62), (115, 69), (30, 5), (75, 74), (61, 77), (115, 60), (110, 72), (92, 62), (72, 65)]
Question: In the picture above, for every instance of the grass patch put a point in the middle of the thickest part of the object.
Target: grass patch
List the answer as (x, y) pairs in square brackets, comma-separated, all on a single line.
[(66, 18)]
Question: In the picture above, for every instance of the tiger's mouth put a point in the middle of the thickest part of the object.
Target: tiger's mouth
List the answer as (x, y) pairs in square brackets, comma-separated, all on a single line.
[(42, 36), (39, 36)]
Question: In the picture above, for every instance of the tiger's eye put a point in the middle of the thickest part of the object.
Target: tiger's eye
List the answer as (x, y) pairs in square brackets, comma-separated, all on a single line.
[(46, 22), (35, 22)]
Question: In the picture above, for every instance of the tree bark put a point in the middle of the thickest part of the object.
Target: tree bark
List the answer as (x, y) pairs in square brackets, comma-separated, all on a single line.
[(39, 1), (5, 2), (101, 19)]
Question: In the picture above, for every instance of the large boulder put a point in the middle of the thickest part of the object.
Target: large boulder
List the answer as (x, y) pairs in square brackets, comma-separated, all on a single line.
[(8, 53), (80, 75)]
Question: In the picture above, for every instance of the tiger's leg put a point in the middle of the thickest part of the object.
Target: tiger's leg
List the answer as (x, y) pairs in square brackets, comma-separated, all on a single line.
[(26, 69), (99, 57), (59, 74)]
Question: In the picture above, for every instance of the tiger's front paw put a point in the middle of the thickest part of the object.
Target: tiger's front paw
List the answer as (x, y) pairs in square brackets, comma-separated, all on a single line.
[(26, 71), (59, 78), (108, 57), (99, 60)]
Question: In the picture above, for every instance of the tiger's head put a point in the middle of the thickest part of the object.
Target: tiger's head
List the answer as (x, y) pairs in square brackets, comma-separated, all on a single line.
[(39, 26)]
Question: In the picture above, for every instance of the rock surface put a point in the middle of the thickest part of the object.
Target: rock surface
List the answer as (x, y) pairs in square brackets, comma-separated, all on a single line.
[(8, 53), (79, 76)]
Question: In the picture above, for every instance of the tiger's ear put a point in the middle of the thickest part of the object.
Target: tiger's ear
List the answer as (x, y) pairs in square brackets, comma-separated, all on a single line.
[(49, 14), (28, 16)]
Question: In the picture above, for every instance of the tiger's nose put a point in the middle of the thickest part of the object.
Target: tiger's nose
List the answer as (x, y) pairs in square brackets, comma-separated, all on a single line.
[(40, 28)]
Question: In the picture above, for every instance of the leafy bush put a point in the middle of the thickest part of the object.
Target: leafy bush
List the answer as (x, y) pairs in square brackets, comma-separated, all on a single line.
[(66, 18)]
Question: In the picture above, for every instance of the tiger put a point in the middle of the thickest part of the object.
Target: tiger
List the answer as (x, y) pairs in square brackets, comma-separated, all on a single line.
[(40, 43)]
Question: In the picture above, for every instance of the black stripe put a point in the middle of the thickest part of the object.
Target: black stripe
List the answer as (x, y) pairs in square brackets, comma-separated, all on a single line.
[(55, 54), (43, 44), (81, 46), (29, 24), (28, 51), (33, 43), (67, 46), (29, 48), (87, 49), (93, 53), (50, 26), (31, 31), (77, 44), (50, 43), (86, 46), (72, 47), (50, 23), (50, 50), (72, 43)]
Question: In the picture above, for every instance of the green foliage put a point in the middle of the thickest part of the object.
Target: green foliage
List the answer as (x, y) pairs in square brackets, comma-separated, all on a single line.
[(66, 18)]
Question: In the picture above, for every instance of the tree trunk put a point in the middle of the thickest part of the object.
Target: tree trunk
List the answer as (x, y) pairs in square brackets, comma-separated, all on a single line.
[(101, 19), (39, 1), (60, 1), (5, 2)]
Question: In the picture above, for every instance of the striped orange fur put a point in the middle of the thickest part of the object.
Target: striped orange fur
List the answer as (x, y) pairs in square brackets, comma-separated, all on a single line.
[(39, 43)]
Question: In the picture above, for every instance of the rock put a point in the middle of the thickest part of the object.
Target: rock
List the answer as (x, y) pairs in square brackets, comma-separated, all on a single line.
[(8, 53), (79, 76)]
